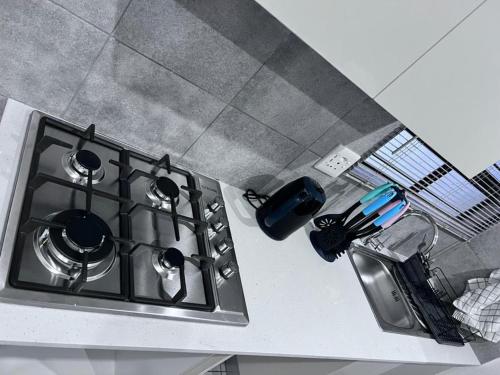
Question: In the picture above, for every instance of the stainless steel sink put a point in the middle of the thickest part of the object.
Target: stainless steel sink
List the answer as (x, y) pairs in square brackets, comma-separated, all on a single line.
[(389, 303)]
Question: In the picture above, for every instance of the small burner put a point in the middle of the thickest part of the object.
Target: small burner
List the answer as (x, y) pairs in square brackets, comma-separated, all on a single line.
[(79, 164), (61, 251), (87, 160), (161, 191), (168, 262)]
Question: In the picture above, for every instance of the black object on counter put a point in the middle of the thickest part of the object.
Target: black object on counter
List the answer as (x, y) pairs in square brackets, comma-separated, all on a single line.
[(290, 208)]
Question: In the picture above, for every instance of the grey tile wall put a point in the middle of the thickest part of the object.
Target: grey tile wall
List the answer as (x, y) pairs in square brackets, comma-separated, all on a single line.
[(487, 246), (46, 52), (221, 85), (364, 119), (104, 14), (298, 93), (171, 34), (135, 99), (257, 153)]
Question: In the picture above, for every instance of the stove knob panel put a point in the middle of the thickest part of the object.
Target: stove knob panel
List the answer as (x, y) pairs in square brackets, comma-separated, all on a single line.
[(228, 270), (224, 246)]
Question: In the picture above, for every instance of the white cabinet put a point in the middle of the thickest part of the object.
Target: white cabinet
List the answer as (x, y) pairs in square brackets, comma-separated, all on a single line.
[(451, 97), (59, 361), (288, 366), (371, 42), (299, 366)]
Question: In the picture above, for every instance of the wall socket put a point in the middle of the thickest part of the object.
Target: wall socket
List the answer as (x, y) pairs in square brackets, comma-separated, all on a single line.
[(337, 161)]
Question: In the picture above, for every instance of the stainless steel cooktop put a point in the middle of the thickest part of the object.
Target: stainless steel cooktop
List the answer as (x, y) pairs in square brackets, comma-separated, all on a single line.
[(94, 225)]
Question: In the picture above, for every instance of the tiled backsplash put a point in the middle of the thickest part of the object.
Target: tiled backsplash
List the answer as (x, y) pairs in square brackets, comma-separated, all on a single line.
[(221, 85)]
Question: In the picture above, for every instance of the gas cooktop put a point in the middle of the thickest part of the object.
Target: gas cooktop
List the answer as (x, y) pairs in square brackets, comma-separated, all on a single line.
[(97, 226)]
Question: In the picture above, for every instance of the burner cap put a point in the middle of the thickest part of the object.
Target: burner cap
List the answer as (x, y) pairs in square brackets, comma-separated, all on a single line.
[(167, 187), (174, 257), (88, 160), (83, 231)]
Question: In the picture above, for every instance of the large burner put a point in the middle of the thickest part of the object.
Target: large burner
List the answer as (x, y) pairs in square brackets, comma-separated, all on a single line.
[(80, 164), (163, 192), (61, 250)]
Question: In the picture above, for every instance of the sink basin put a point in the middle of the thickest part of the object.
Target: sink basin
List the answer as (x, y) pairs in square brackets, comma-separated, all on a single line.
[(387, 299)]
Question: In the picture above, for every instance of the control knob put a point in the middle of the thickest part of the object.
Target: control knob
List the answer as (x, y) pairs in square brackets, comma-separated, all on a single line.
[(224, 246), (229, 270), (213, 207), (215, 228)]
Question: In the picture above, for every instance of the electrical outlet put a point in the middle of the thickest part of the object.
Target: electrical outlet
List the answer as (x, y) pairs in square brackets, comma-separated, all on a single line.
[(337, 161)]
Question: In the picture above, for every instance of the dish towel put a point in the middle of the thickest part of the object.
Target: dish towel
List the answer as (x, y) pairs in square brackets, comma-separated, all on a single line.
[(479, 307)]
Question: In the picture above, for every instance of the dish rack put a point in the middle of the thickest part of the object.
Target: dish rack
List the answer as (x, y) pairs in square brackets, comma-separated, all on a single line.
[(446, 294), (433, 310)]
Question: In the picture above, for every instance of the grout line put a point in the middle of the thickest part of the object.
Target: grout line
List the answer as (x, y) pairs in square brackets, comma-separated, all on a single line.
[(230, 105), (227, 102), (204, 131), (315, 153), (429, 49), (219, 114), (335, 122), (167, 68), (89, 22), (230, 102), (121, 17), (77, 91), (291, 161), (79, 17), (118, 39), (278, 46), (268, 126)]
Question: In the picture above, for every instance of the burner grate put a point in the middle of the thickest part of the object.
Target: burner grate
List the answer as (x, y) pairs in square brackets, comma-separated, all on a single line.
[(124, 242)]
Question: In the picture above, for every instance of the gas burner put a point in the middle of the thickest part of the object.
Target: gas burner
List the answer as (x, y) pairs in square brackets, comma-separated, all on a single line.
[(61, 250), (168, 262), (161, 192), (79, 164)]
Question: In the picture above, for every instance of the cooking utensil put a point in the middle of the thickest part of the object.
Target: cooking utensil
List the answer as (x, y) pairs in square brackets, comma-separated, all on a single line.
[(330, 219), (332, 241), (388, 216), (371, 212)]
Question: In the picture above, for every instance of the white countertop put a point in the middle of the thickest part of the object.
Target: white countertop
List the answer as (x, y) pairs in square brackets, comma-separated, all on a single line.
[(299, 305)]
